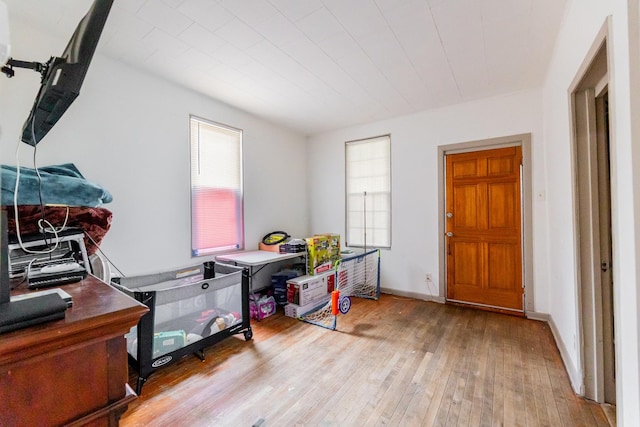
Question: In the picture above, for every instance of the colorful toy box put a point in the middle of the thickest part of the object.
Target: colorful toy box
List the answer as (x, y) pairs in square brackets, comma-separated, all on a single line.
[(323, 250), (334, 246)]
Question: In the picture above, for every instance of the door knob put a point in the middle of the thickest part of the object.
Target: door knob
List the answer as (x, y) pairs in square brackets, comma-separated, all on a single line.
[(449, 234), (449, 214)]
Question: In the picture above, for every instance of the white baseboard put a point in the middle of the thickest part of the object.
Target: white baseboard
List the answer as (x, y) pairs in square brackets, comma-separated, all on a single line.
[(574, 376), (414, 295), (533, 315)]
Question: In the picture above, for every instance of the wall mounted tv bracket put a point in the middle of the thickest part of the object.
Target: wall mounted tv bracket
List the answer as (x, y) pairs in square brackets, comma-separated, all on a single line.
[(35, 66)]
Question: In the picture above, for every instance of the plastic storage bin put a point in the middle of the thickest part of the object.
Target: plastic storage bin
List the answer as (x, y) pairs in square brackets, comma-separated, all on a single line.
[(186, 313)]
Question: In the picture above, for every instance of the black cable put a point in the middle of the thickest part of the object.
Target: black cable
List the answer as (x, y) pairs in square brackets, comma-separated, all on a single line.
[(35, 166)]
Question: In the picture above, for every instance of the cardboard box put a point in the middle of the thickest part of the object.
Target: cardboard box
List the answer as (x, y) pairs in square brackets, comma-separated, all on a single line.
[(304, 290), (322, 268), (270, 248), (295, 310), (166, 342), (293, 246), (322, 250), (333, 246), (279, 283), (317, 252)]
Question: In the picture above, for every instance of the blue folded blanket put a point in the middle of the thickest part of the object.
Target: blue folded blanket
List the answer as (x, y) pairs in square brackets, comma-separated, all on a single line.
[(61, 185)]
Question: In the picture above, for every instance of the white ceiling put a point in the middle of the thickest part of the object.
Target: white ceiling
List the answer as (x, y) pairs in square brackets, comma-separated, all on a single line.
[(317, 65)]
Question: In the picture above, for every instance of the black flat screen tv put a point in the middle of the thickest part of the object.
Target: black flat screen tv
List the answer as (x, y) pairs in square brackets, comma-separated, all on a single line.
[(62, 76)]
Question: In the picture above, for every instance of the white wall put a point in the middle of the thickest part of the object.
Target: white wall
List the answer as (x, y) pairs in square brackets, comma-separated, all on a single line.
[(129, 132), (583, 21), (414, 151), (576, 37)]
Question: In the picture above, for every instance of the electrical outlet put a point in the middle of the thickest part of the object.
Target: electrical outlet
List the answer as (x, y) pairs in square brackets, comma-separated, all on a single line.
[(428, 278)]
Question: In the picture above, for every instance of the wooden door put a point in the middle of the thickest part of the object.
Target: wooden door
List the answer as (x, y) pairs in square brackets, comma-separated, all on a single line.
[(606, 243), (483, 225)]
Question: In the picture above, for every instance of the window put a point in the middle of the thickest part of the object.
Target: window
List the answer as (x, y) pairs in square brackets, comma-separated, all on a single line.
[(216, 188), (368, 192)]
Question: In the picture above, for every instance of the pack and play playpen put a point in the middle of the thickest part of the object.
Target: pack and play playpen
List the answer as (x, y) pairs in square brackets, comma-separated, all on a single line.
[(189, 309)]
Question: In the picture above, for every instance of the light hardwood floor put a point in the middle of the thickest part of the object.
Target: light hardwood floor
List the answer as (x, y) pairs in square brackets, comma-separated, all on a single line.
[(392, 362)]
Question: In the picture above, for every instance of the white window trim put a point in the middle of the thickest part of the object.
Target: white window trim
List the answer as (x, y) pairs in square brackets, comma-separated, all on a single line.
[(197, 252), (367, 243)]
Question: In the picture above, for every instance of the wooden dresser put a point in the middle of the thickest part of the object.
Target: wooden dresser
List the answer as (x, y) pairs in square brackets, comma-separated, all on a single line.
[(72, 371)]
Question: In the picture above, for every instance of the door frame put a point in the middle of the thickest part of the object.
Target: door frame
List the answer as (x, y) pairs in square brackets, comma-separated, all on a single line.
[(524, 141), (592, 78)]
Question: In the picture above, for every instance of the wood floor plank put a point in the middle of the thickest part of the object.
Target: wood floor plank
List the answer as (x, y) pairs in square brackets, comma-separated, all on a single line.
[(480, 372), (497, 417), (468, 374), (392, 362), (395, 384), (452, 347), (531, 384), (356, 385), (372, 353), (514, 412), (432, 365)]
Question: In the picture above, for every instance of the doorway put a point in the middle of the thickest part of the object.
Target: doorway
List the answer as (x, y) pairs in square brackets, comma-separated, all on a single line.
[(484, 260), (590, 112)]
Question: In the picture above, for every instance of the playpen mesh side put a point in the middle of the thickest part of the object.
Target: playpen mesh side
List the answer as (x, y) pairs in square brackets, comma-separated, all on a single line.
[(357, 276), (184, 301)]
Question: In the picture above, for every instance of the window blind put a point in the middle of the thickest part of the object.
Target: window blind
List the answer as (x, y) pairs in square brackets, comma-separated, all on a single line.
[(216, 187), (368, 192)]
